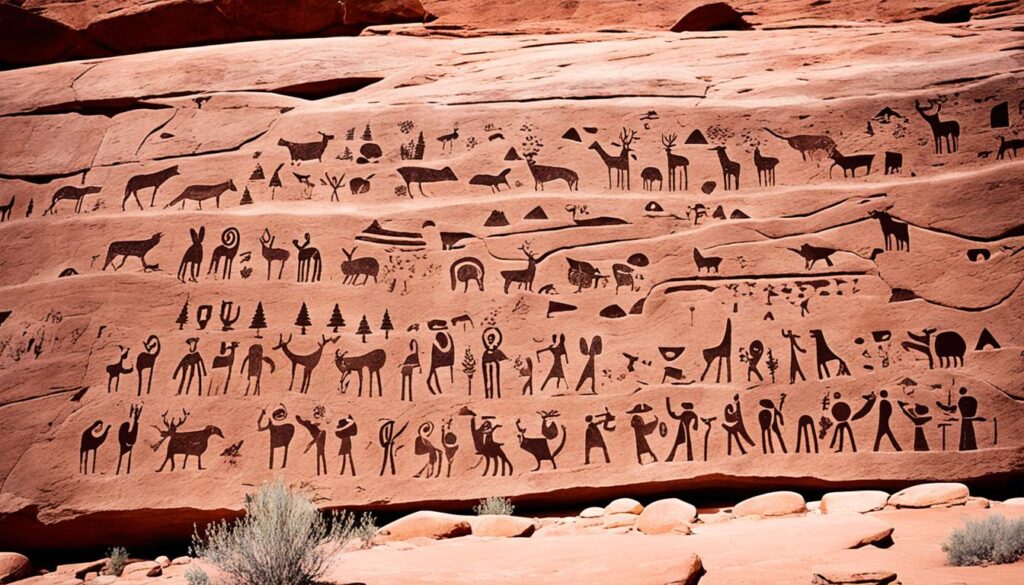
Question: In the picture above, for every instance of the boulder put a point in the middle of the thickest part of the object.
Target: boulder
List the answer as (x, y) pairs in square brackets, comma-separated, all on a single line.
[(927, 495), (139, 567), (624, 506), (869, 530), (1014, 502), (620, 520), (841, 575), (592, 512), (771, 504), (163, 560), (425, 523), (668, 515), (973, 502), (502, 526), (366, 12), (13, 566), (183, 560), (855, 501)]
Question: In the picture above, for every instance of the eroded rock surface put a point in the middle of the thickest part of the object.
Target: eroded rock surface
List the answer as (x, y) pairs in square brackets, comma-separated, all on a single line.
[(439, 270)]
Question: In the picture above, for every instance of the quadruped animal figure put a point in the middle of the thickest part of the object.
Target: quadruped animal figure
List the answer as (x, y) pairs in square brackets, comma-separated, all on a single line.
[(272, 254), (489, 450), (192, 259), (807, 144), (353, 268), (147, 181), (524, 277), (707, 263), (540, 447), (127, 436), (91, 441), (545, 174), (851, 163), (129, 248), (720, 353), (226, 252), (71, 193), (675, 162), (893, 229), (492, 181), (117, 368), (825, 355), (730, 169), (310, 265), (146, 360), (1011, 146), (372, 362), (308, 361), (948, 130), (187, 443), (306, 151), (420, 175), (200, 193), (619, 162), (765, 168), (949, 347)]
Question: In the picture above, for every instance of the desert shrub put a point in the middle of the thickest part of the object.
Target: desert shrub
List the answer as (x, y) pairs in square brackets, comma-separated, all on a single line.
[(196, 576), (117, 558), (990, 540), (495, 506), (346, 527), (279, 540)]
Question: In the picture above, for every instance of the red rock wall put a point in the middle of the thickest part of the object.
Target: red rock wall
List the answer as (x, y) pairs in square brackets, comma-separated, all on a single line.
[(624, 312)]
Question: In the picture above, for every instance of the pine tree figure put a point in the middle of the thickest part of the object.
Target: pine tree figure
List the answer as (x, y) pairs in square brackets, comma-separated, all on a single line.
[(364, 328), (257, 173), (385, 324), (246, 197), (336, 319), (346, 155), (350, 134), (367, 135), (275, 181), (421, 146), (772, 364), (469, 368), (302, 320), (182, 316), (259, 320)]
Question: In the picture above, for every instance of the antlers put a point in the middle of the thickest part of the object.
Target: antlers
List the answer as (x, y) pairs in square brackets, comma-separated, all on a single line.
[(627, 137), (171, 425), (668, 140), (265, 238)]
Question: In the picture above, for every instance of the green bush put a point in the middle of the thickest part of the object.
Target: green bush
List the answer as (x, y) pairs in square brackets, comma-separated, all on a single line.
[(345, 527), (196, 576), (494, 506), (279, 541), (117, 558), (991, 540)]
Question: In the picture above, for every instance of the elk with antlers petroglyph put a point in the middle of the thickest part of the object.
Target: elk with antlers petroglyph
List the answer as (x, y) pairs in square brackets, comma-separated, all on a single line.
[(308, 361)]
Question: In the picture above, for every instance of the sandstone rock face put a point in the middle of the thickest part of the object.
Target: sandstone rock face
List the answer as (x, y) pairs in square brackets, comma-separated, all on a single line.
[(624, 506), (498, 296), (771, 504), (852, 576), (425, 524), (668, 515), (14, 566), (502, 526), (857, 501), (927, 495)]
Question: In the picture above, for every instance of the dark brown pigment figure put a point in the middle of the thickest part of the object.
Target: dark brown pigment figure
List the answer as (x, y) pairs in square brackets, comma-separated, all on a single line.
[(318, 437), (557, 373), (442, 355), (192, 365), (91, 441), (281, 433), (794, 363), (734, 428), (641, 430), (491, 361), (386, 437), (589, 369), (254, 362), (841, 414), (884, 430), (686, 418), (127, 436), (770, 420), (918, 416), (594, 438), (345, 431), (410, 365), (967, 406)]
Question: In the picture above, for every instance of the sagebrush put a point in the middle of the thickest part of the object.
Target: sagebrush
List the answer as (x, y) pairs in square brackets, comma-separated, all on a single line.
[(279, 541), (992, 540), (196, 576), (117, 558), (345, 527), (495, 506)]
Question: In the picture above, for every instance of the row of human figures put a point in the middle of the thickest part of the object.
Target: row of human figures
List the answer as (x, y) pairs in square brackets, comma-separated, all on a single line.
[(546, 442)]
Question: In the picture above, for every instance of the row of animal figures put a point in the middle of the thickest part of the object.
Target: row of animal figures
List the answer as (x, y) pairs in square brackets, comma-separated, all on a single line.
[(547, 442), (945, 133)]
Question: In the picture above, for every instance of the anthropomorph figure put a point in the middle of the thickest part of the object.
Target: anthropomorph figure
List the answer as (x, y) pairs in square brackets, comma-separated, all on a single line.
[(641, 430), (345, 431), (919, 416), (734, 427), (770, 420), (884, 429), (442, 355), (841, 413), (491, 361), (967, 407), (794, 363), (687, 418), (594, 438), (558, 353)]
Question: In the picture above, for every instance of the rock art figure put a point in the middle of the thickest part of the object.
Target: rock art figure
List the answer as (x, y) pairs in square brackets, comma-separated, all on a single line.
[(372, 361), (254, 361), (272, 254), (71, 193), (967, 407), (317, 438), (720, 353), (129, 248), (540, 447), (491, 362), (594, 437), (386, 438), (735, 430), (146, 181), (824, 355), (841, 414), (192, 366), (558, 353), (919, 417), (187, 443), (225, 252), (590, 368), (884, 428), (807, 144), (948, 130), (770, 420), (687, 418), (192, 259), (893, 230), (117, 368), (794, 363), (442, 355), (485, 445), (127, 436), (345, 430), (410, 365), (675, 162), (641, 430), (91, 441), (308, 361), (280, 433)]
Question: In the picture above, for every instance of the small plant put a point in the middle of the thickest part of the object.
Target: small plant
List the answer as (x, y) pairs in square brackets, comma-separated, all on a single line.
[(196, 576), (279, 540), (345, 528), (494, 506), (992, 540), (117, 559)]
